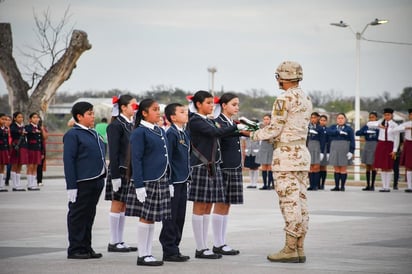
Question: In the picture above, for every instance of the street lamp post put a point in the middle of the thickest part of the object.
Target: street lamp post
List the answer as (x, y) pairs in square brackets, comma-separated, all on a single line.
[(358, 36), (212, 71)]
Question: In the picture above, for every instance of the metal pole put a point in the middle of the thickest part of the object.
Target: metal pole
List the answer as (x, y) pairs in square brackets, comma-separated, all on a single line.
[(357, 109)]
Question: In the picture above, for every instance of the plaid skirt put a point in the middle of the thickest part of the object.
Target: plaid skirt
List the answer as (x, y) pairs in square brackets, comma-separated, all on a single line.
[(233, 185), (368, 152), (4, 157), (205, 188), (120, 195), (157, 205), (20, 157)]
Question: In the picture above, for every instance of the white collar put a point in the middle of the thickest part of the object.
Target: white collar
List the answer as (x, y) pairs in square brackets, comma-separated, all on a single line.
[(147, 124), (127, 119), (83, 127)]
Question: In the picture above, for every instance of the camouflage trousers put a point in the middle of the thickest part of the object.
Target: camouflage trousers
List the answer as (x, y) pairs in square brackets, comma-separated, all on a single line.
[(291, 189)]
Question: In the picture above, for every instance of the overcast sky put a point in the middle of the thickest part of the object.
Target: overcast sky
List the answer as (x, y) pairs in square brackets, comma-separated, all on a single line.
[(138, 45)]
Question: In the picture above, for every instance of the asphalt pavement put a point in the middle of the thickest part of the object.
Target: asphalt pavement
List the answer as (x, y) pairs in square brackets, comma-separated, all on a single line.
[(349, 232)]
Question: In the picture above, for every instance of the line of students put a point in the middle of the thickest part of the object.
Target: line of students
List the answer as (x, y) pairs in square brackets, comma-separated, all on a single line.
[(149, 174), (21, 145), (335, 145)]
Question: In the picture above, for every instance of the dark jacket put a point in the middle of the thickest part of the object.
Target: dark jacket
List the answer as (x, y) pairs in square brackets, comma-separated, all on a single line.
[(229, 145), (179, 154)]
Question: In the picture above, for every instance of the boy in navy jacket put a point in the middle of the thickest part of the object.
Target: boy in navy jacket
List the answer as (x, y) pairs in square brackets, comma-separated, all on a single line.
[(84, 170), (179, 151)]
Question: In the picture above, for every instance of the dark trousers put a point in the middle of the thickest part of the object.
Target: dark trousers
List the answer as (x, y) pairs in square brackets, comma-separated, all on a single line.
[(81, 215), (172, 229), (39, 173)]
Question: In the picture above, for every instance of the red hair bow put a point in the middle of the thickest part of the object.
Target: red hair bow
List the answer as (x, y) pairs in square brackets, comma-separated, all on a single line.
[(216, 100), (189, 97), (135, 106), (115, 100)]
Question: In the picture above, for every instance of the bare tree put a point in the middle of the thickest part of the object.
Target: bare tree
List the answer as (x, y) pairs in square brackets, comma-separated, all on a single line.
[(54, 74)]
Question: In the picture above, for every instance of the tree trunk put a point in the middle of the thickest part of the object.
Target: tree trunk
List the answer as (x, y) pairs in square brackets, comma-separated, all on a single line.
[(50, 82)]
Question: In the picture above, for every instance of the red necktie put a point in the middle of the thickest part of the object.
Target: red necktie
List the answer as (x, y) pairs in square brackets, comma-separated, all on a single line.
[(386, 131)]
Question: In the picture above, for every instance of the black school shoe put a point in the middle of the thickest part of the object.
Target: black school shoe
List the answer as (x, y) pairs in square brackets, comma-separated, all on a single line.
[(176, 258), (94, 255), (220, 250), (117, 248), (79, 256), (200, 254), (141, 261)]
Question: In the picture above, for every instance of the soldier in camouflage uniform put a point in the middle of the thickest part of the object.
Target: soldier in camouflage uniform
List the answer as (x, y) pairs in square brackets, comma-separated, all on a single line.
[(291, 158)]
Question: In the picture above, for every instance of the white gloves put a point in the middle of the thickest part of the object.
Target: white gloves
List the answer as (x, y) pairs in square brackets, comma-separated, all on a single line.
[(341, 132), (141, 194), (349, 155), (116, 183), (312, 131), (172, 190), (322, 156), (72, 195), (370, 131), (241, 127)]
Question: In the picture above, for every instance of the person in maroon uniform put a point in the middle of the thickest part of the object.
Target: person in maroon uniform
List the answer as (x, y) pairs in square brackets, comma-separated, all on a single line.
[(18, 155), (4, 149), (34, 148)]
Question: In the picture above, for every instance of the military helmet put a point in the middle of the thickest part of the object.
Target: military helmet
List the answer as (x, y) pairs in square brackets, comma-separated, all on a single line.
[(289, 70)]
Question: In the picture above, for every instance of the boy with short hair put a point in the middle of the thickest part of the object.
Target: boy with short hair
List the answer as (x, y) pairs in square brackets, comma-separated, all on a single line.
[(179, 151), (85, 171)]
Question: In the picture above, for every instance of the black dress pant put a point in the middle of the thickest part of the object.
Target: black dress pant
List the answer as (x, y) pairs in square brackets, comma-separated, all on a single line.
[(172, 229), (81, 215)]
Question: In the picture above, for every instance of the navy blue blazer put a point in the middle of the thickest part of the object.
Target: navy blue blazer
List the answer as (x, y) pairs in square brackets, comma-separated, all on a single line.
[(83, 156), (118, 135), (320, 136), (368, 136), (229, 145), (203, 135), (179, 154), (16, 132), (34, 137), (149, 155), (334, 135)]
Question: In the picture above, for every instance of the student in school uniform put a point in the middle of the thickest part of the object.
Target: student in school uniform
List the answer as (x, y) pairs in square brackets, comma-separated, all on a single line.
[(4, 150), (19, 155), (387, 147), (251, 150), (179, 155), (118, 134), (323, 123), (265, 157), (207, 185), (368, 152), (85, 171), (34, 149), (316, 145), (406, 153), (231, 167), (150, 176), (342, 147)]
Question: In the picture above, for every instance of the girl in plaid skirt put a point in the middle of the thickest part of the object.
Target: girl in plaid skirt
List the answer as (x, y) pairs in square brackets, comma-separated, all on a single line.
[(150, 175), (118, 134), (207, 185), (18, 155)]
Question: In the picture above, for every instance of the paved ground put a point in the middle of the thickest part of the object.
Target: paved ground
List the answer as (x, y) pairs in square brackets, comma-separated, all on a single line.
[(350, 232)]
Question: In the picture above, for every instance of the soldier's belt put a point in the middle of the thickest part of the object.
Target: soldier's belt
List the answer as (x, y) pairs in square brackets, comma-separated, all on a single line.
[(291, 143)]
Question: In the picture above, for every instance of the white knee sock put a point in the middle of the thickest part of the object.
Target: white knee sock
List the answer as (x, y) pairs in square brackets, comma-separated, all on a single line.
[(217, 226), (18, 180), (149, 242), (13, 179), (120, 231), (224, 228), (1, 180), (197, 226), (143, 231), (409, 179), (114, 227), (206, 218)]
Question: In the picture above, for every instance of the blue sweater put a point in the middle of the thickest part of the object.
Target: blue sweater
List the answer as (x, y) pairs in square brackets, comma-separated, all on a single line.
[(83, 156), (179, 154), (320, 136), (149, 155), (368, 136)]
